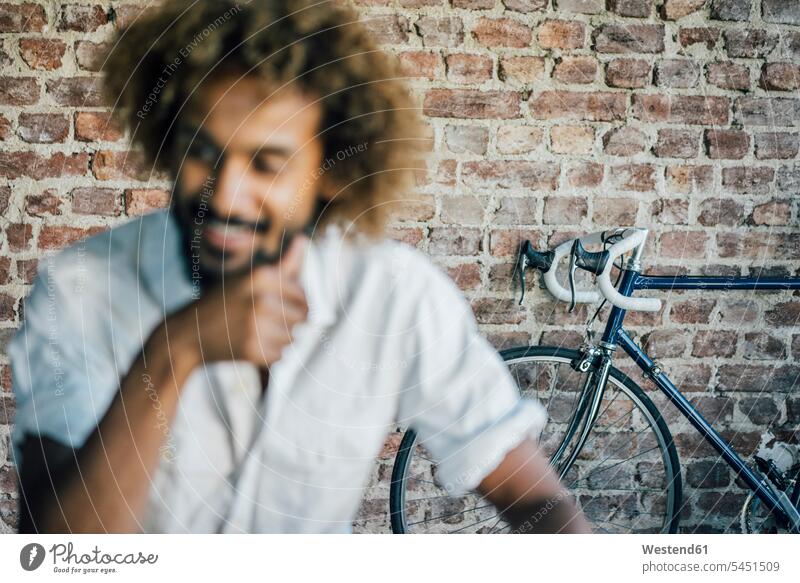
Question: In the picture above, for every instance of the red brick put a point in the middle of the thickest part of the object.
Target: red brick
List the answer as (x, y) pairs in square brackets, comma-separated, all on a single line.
[(562, 210), (518, 139), (726, 144), (5, 127), (506, 242), (43, 128), (25, 17), (690, 36), (524, 6), (511, 174), (721, 212), (624, 141), (590, 106), (57, 237), (455, 241), (675, 9), (780, 12), (561, 34), (695, 311), (629, 38), (763, 346), (5, 276), (780, 76), (39, 166), (42, 53), (81, 18), (633, 177), (673, 143), (581, 6), (19, 236), (472, 4), (665, 343), (91, 126), (631, 8), (467, 276), (127, 14), (689, 179), (670, 211), (767, 111), (730, 9), (521, 69), (749, 43), (90, 55), (95, 201), (463, 68), (615, 211), (677, 73), (472, 139), (683, 244), (516, 210), (571, 139), (578, 70), (462, 210), (420, 64), (46, 203), (748, 179), (772, 213), (776, 145), (728, 75), (18, 91), (502, 32), (783, 314), (470, 103), (387, 29), (585, 175), (687, 109), (108, 165), (493, 311), (76, 91), (440, 32), (628, 73)]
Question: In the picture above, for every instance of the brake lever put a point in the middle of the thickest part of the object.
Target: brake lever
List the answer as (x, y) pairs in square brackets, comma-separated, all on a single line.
[(521, 265), (572, 268)]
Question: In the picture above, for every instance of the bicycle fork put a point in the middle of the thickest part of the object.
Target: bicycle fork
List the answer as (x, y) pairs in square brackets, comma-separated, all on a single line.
[(586, 412)]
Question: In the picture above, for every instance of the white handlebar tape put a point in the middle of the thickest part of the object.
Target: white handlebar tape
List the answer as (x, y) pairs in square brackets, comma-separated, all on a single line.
[(631, 239)]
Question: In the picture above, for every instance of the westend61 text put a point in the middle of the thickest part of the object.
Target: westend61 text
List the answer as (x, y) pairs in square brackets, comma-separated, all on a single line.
[(675, 550)]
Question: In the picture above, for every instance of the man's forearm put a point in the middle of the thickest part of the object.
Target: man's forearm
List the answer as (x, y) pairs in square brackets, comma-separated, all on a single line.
[(107, 489)]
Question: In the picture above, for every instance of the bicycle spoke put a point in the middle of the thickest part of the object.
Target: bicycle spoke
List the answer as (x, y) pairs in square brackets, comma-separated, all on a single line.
[(450, 515)]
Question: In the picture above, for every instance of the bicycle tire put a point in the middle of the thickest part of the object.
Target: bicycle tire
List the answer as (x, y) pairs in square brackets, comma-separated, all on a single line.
[(403, 458)]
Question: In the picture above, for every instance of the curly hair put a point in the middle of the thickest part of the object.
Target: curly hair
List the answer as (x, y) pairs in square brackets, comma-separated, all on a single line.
[(154, 66)]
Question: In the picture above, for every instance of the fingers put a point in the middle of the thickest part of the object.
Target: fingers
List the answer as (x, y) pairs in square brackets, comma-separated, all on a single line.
[(292, 260)]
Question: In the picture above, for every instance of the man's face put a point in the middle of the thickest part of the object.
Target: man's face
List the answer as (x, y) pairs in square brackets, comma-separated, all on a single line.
[(248, 175)]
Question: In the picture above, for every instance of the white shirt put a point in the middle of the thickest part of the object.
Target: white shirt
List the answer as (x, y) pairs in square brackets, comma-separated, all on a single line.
[(389, 340)]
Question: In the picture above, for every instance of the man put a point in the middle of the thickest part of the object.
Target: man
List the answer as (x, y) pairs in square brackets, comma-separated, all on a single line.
[(234, 363)]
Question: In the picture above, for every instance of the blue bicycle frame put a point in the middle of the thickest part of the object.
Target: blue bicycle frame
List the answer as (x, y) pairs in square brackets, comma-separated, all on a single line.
[(632, 281)]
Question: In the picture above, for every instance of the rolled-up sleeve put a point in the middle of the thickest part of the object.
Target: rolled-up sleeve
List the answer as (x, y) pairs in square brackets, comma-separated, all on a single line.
[(460, 397), (61, 383)]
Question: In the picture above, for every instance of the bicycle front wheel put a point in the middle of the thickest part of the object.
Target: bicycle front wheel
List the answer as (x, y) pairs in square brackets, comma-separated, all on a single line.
[(625, 479)]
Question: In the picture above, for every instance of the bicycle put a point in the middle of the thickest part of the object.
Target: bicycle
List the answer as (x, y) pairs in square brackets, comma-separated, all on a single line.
[(605, 437)]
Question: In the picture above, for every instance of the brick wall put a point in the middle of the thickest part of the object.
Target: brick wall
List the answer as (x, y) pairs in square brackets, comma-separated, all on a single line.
[(549, 118)]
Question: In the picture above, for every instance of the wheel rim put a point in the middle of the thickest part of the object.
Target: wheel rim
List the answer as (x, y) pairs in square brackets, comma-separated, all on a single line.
[(449, 511)]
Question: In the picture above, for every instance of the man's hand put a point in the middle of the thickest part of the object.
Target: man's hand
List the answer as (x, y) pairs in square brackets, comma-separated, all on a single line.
[(526, 490), (249, 317)]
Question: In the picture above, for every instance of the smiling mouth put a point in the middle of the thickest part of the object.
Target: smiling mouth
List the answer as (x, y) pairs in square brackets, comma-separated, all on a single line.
[(224, 237)]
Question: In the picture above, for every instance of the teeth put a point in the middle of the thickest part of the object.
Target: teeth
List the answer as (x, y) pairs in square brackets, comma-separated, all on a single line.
[(225, 227)]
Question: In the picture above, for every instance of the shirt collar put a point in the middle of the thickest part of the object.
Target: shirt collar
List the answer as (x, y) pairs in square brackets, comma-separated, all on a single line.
[(162, 270)]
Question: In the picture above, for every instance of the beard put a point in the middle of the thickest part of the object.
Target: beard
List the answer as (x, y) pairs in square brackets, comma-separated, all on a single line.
[(191, 215)]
